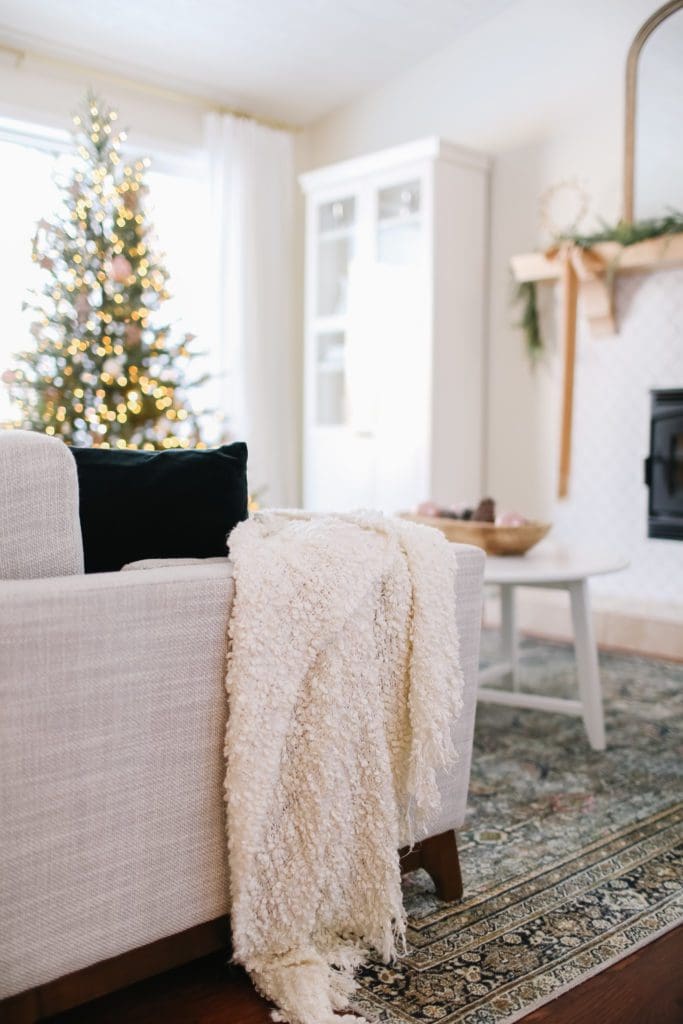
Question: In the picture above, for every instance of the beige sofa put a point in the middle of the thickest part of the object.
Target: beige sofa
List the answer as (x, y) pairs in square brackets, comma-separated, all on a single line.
[(112, 713)]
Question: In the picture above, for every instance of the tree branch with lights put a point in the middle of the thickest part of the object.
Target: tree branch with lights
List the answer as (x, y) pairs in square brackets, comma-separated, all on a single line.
[(103, 372)]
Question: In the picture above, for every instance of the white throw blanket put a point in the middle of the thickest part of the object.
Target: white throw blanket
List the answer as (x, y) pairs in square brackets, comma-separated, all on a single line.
[(343, 685)]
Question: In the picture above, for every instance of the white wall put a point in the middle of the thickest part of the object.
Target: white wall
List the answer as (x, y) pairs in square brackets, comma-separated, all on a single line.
[(540, 87)]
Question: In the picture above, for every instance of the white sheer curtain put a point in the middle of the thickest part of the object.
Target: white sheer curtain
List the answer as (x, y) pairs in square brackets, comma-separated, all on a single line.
[(251, 171)]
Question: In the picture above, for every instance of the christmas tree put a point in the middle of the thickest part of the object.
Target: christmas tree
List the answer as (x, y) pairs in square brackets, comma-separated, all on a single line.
[(103, 371)]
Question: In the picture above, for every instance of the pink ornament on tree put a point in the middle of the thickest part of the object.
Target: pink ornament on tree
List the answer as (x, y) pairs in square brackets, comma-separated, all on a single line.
[(121, 269), (82, 304), (133, 334)]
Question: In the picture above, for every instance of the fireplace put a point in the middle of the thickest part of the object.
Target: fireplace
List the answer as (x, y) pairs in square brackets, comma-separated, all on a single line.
[(664, 465)]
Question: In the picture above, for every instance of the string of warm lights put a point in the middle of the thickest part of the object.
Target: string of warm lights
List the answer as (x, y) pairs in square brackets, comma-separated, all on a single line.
[(102, 371)]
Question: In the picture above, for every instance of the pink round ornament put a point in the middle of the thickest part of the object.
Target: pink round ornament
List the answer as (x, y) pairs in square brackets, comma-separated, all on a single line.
[(511, 519), (133, 333), (121, 269), (427, 508)]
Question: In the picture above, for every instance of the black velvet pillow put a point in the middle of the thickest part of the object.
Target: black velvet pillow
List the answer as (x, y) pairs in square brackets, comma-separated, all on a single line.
[(179, 503)]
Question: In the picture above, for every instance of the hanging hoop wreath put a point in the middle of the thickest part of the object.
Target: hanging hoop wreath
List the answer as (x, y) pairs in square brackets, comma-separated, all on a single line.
[(562, 207)]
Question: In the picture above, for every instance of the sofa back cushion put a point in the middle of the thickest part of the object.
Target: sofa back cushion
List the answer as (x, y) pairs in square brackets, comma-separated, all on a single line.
[(39, 530), (179, 503)]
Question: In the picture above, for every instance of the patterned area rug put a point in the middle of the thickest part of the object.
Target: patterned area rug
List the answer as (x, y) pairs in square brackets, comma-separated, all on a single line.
[(572, 859)]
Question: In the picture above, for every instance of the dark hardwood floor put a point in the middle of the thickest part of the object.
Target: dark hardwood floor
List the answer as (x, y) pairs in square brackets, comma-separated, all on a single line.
[(645, 988)]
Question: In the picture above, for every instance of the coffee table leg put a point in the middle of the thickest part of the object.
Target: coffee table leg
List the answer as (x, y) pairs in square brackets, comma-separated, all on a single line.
[(509, 629), (587, 664)]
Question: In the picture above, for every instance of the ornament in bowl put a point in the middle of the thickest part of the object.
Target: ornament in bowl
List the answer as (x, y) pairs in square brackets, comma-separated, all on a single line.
[(508, 533)]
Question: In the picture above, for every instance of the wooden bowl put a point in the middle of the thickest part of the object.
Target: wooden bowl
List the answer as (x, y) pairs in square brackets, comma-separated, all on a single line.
[(495, 540)]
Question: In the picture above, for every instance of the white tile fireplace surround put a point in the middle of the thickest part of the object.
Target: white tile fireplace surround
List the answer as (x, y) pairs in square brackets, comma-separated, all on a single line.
[(642, 607), (614, 376)]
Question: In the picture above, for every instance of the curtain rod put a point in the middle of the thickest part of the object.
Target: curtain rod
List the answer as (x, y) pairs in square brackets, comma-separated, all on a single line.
[(19, 56)]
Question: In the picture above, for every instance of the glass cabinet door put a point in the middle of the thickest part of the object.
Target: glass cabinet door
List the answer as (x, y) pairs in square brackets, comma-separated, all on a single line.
[(336, 244), (399, 223), (330, 391), (336, 226)]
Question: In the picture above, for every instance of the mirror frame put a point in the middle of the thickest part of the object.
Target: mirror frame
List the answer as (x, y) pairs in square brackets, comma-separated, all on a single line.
[(643, 34)]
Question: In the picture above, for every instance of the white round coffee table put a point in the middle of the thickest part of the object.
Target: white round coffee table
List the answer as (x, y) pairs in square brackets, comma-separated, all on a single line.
[(556, 569)]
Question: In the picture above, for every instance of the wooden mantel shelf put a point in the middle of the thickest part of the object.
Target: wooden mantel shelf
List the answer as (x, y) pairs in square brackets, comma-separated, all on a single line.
[(653, 253), (589, 272)]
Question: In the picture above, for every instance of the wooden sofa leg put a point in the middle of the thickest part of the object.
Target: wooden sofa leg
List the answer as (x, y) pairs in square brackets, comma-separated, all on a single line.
[(438, 856), (440, 860)]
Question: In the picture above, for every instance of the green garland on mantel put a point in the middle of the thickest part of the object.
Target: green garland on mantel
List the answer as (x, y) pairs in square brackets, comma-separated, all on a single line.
[(625, 233), (526, 297)]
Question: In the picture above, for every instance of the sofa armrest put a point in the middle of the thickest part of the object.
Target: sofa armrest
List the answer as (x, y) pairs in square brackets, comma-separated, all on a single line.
[(468, 597), (111, 733), (40, 533)]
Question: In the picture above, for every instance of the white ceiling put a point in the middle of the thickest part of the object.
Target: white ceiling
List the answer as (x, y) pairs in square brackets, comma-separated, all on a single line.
[(294, 60)]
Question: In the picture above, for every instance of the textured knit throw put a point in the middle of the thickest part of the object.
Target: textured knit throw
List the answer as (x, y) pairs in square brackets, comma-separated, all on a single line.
[(343, 685)]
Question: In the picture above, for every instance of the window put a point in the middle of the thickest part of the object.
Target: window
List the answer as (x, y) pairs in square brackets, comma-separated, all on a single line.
[(178, 209), (30, 193)]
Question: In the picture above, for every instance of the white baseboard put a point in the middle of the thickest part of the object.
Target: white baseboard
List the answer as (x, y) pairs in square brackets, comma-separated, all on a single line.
[(656, 630)]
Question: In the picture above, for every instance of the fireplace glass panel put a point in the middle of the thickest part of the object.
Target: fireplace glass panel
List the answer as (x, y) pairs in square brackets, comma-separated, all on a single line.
[(664, 466), (678, 461)]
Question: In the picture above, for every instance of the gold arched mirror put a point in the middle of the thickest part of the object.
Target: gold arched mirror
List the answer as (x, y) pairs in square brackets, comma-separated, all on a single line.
[(653, 154)]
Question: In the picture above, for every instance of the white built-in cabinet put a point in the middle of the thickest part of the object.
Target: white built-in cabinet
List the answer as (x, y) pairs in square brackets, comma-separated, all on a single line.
[(394, 364)]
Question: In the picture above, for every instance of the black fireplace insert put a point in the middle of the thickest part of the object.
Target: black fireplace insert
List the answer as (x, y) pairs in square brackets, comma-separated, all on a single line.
[(664, 465)]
